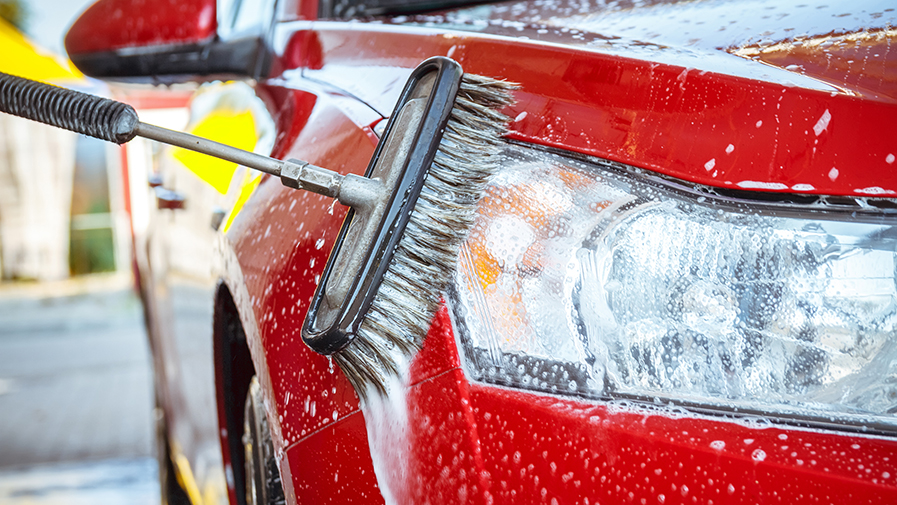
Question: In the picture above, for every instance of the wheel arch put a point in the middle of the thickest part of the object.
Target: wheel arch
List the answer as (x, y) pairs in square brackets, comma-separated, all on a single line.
[(234, 370), (239, 354)]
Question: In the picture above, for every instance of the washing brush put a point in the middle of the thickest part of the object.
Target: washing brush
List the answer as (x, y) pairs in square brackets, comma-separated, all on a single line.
[(396, 250)]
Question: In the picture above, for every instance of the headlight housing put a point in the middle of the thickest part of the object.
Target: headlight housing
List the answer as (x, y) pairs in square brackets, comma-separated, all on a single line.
[(598, 280)]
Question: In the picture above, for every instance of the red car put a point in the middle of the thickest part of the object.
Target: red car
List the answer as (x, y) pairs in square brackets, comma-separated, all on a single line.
[(680, 287)]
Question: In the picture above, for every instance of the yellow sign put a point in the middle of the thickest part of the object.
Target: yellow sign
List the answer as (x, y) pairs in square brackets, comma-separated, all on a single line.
[(236, 129), (21, 57)]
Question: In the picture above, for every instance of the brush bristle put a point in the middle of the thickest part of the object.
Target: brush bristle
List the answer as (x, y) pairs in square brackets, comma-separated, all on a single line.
[(424, 262)]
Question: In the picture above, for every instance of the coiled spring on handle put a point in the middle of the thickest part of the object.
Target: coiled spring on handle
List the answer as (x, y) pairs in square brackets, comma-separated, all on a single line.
[(64, 108)]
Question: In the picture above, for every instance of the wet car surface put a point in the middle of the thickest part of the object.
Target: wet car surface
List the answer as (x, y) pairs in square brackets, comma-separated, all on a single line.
[(680, 287)]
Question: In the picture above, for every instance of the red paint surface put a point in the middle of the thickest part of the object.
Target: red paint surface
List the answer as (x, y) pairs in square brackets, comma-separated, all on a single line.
[(334, 466), (540, 448), (864, 64), (664, 118), (118, 24), (440, 352), (444, 463)]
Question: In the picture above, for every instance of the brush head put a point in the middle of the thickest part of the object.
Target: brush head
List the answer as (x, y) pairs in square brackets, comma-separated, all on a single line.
[(372, 230), (395, 324)]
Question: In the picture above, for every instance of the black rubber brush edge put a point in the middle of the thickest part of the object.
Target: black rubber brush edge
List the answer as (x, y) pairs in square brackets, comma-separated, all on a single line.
[(392, 226)]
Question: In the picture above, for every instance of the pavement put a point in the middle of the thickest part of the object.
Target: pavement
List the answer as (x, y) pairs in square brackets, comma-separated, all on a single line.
[(75, 394), (124, 481)]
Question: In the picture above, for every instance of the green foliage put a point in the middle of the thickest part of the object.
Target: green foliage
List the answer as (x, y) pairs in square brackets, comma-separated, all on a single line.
[(15, 12), (91, 251)]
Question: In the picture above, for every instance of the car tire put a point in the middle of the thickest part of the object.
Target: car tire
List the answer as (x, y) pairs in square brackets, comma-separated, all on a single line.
[(263, 483)]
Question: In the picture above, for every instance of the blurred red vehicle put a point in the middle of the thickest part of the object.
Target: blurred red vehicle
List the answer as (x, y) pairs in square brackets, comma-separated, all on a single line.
[(680, 287)]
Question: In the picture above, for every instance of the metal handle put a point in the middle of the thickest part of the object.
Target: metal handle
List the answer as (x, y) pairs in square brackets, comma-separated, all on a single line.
[(212, 148), (117, 122)]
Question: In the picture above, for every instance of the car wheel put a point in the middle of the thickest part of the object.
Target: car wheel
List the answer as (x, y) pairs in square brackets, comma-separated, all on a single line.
[(263, 484)]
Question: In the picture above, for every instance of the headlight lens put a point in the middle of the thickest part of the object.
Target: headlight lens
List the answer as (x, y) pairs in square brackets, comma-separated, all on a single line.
[(597, 281)]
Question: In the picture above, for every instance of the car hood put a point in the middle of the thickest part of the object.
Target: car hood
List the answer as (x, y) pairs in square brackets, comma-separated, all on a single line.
[(793, 96), (796, 42)]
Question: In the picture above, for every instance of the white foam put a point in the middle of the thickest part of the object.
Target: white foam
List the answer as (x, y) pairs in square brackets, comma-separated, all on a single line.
[(386, 419), (761, 185), (822, 123)]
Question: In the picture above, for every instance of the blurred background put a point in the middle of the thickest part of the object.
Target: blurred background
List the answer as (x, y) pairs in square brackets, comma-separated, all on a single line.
[(76, 401)]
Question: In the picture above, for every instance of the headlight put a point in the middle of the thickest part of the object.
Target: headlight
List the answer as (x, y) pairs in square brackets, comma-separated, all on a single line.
[(599, 281)]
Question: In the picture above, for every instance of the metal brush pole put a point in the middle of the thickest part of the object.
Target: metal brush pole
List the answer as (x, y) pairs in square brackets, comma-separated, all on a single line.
[(351, 190), (117, 122), (205, 146)]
